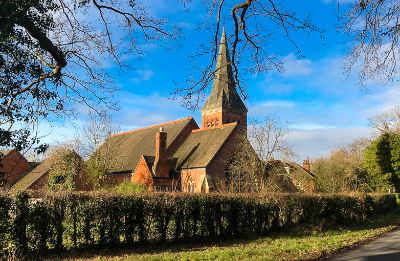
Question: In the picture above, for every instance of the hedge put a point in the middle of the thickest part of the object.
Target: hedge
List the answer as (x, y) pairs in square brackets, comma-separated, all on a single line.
[(70, 220)]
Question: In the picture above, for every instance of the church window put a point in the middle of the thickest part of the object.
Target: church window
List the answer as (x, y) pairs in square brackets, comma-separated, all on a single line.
[(190, 185)]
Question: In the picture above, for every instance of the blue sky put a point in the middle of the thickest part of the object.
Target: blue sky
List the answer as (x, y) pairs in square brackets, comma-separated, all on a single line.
[(324, 107)]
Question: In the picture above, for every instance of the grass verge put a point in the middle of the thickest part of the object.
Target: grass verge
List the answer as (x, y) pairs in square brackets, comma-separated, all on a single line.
[(300, 242)]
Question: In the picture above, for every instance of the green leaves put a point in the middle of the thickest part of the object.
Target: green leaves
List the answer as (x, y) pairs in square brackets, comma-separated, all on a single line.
[(66, 220)]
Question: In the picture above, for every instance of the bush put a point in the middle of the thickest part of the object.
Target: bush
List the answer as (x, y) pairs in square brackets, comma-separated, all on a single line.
[(127, 187), (67, 220)]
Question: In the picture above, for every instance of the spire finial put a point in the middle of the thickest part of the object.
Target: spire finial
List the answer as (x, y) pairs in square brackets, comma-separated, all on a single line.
[(223, 37)]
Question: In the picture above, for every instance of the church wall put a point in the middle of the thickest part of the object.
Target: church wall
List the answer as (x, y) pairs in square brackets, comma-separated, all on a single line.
[(198, 176), (217, 167), (119, 178), (143, 174), (211, 120)]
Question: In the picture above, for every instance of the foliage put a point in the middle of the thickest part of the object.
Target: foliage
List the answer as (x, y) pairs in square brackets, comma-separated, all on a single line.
[(127, 187), (341, 170), (67, 164), (381, 164), (97, 174), (52, 57), (68, 220), (299, 242)]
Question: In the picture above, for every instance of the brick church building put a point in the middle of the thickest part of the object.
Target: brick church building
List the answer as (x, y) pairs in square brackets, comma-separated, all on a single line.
[(179, 154)]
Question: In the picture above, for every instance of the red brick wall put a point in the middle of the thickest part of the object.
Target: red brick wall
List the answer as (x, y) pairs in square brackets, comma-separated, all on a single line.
[(143, 174), (14, 165), (192, 125), (215, 119), (82, 182), (40, 184), (197, 174), (160, 166), (217, 166), (119, 178)]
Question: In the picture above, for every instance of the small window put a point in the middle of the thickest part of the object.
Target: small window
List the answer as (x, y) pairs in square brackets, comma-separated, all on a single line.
[(216, 123), (212, 124), (208, 124)]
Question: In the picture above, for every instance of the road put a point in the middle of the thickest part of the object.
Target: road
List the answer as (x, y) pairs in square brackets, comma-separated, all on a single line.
[(386, 248)]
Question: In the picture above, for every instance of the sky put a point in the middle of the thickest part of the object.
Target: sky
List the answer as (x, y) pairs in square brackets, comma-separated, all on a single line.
[(325, 108)]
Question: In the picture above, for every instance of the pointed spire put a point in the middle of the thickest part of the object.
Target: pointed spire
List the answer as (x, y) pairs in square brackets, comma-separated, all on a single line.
[(224, 96)]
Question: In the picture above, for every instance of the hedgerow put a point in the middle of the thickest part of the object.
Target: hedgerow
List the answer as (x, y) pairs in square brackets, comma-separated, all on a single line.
[(70, 220)]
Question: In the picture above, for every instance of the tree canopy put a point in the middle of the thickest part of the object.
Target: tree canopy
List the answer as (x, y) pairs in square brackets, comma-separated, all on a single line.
[(52, 58)]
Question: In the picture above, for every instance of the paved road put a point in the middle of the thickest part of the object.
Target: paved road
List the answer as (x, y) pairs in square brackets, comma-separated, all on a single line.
[(386, 248)]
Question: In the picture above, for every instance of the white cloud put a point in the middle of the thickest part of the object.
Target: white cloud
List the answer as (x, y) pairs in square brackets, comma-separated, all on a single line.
[(145, 75), (320, 142), (295, 67)]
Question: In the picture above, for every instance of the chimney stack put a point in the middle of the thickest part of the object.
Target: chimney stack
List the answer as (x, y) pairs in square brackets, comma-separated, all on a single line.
[(160, 166), (306, 164)]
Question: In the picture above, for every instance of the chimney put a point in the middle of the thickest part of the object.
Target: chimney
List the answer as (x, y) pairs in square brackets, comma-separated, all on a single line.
[(160, 166), (306, 164)]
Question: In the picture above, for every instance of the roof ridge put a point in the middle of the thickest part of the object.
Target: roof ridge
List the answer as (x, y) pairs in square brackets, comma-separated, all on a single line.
[(153, 126), (217, 127)]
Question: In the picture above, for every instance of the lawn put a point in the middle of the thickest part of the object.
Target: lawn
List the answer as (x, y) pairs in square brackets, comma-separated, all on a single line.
[(300, 242)]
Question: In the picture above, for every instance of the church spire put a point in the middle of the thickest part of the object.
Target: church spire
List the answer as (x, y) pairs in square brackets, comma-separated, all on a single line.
[(224, 97)]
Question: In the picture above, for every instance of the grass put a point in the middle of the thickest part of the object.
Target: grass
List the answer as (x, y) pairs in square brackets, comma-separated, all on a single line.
[(301, 242)]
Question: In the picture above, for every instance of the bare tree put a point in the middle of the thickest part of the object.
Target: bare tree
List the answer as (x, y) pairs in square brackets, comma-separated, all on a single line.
[(94, 134), (341, 170), (95, 131), (372, 28), (250, 26), (53, 56), (387, 121), (252, 166)]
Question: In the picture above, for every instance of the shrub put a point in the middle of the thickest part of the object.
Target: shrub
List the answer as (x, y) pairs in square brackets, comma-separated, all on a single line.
[(66, 220), (127, 186)]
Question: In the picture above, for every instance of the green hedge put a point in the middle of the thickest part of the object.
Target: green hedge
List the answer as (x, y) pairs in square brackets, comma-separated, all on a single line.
[(78, 220)]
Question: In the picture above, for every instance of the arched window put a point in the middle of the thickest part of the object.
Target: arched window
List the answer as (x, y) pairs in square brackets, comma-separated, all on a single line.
[(216, 123), (212, 124), (208, 124), (190, 185)]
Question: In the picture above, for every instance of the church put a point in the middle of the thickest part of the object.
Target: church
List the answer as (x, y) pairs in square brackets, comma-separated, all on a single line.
[(179, 154)]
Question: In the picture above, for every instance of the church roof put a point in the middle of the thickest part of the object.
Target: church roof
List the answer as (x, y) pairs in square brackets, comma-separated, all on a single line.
[(149, 160), (123, 151), (223, 93), (201, 146)]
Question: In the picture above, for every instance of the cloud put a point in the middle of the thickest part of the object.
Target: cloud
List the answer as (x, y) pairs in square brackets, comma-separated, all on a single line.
[(145, 75), (295, 67), (140, 111), (320, 142)]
